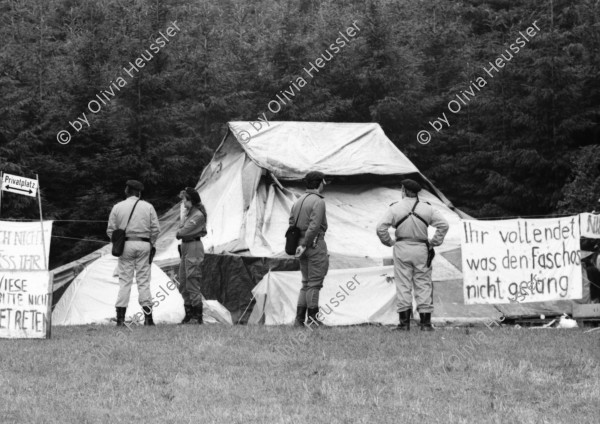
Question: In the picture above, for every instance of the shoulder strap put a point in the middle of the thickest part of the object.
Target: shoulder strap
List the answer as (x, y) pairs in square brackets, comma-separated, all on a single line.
[(131, 213), (412, 212), (300, 209)]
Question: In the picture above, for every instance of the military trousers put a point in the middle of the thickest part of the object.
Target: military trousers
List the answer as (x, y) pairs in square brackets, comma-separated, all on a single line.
[(411, 271), (314, 264), (190, 272), (134, 260)]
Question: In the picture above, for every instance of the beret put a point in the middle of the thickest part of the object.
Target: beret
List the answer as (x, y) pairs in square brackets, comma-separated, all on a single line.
[(411, 185), (135, 184), (314, 176)]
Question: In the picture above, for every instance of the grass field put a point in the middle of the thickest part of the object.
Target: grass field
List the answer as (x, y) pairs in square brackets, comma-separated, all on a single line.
[(219, 374)]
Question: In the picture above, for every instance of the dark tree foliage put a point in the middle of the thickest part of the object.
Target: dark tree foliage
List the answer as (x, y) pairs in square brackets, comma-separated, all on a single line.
[(524, 144)]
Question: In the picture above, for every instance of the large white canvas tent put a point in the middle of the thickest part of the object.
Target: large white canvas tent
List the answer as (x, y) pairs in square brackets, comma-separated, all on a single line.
[(249, 187)]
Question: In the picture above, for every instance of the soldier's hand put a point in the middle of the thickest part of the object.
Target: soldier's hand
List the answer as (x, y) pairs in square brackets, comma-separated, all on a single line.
[(300, 251)]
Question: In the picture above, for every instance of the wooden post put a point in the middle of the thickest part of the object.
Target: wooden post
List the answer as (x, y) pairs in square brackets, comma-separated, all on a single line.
[(1, 194), (50, 278), (41, 221), (49, 313)]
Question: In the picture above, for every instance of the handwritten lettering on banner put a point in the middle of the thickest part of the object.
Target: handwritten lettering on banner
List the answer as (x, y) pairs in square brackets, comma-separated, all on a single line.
[(21, 245), (24, 298), (521, 260), (590, 225)]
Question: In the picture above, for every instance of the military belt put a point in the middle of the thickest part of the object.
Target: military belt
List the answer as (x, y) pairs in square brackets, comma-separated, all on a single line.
[(147, 240), (412, 239), (191, 240), (319, 234)]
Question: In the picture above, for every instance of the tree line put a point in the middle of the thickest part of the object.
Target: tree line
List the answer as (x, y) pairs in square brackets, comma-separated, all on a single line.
[(525, 143)]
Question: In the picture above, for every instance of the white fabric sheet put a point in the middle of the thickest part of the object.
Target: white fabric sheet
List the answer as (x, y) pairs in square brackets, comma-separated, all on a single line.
[(371, 300)]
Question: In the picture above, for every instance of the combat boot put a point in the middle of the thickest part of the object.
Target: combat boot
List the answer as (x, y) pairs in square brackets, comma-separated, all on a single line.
[(188, 314), (426, 321), (198, 313), (300, 316), (312, 320), (404, 324), (121, 316), (148, 315)]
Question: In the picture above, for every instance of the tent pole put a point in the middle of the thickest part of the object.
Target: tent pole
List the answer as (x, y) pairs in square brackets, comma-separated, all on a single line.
[(246, 310), (276, 180)]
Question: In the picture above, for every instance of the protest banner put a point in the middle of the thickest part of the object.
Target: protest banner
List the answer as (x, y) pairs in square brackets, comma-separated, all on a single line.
[(25, 282), (521, 260), (23, 247), (590, 225), (25, 304)]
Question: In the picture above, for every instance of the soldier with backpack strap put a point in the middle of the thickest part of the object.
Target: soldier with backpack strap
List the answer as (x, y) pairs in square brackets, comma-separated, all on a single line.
[(139, 221), (413, 251), (309, 216)]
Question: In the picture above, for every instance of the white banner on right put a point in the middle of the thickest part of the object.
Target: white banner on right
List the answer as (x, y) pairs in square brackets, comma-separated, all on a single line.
[(521, 260), (590, 225)]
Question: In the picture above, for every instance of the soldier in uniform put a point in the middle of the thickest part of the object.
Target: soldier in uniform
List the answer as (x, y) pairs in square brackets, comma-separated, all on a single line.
[(309, 211), (141, 233), (412, 249), (191, 229)]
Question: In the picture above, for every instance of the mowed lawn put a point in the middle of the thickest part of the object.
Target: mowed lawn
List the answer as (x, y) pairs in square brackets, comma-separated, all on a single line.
[(250, 374)]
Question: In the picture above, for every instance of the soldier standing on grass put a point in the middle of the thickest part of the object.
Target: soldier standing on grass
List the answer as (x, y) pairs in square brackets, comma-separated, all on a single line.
[(141, 223), (413, 251), (191, 229), (309, 211)]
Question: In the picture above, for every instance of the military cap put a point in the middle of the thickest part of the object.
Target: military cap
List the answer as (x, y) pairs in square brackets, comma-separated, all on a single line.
[(314, 176), (411, 185), (135, 184)]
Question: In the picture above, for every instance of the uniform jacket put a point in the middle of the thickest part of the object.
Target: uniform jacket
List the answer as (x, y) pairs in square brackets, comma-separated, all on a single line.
[(312, 219), (194, 225), (143, 223), (412, 227)]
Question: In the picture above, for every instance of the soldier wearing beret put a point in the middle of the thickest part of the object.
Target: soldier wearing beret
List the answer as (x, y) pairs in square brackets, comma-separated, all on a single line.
[(309, 212), (412, 261), (191, 229), (138, 219)]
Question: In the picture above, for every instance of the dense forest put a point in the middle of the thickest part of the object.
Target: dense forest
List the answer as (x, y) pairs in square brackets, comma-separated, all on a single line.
[(524, 143)]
